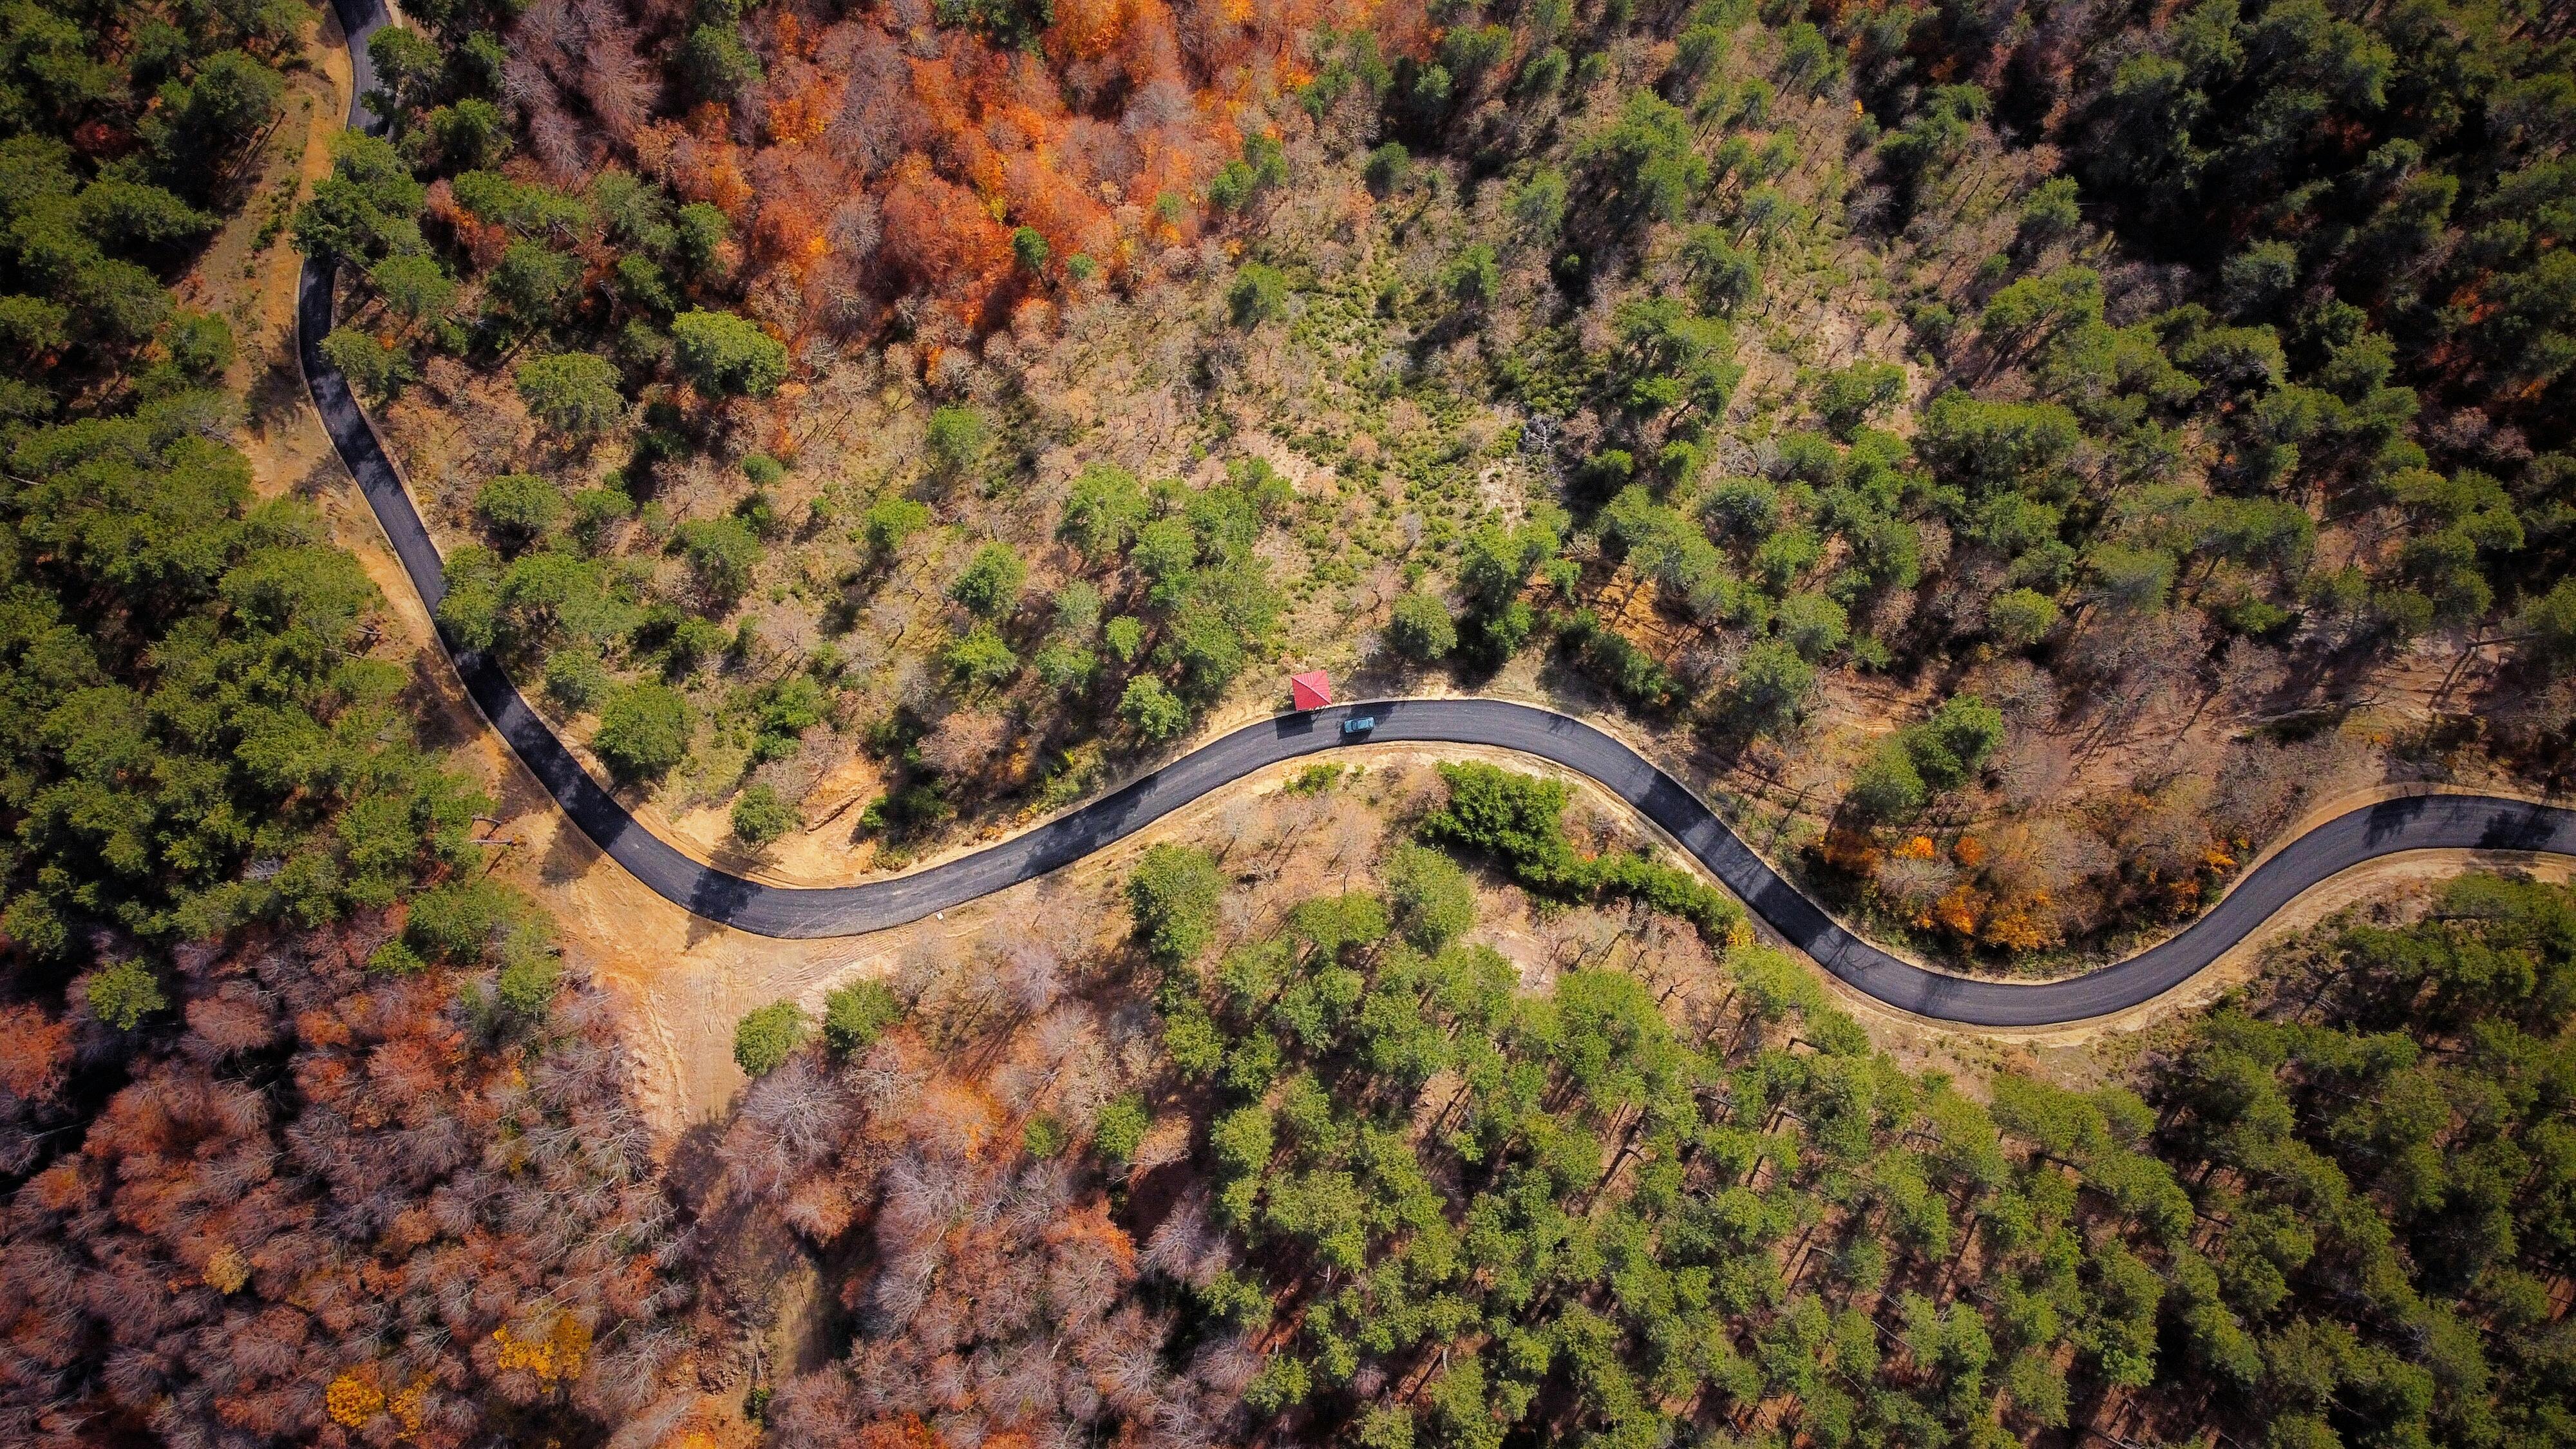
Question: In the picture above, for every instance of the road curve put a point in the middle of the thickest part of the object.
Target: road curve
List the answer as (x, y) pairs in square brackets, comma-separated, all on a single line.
[(2463, 822)]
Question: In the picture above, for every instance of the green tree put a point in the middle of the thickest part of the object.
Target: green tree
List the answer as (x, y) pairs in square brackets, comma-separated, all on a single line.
[(2038, 1389), (525, 984), (717, 64), (1672, 361), (1493, 568), (2049, 213), (1471, 52), (1151, 709), (532, 282), (577, 679), (957, 440), (123, 993), (1770, 686), (1044, 1136), (1993, 447), (373, 367), (33, 325), (1173, 895), (1813, 624), (1077, 609), (408, 66), (1259, 294), (574, 393), (644, 731), (1389, 168), (459, 921), (2258, 279), (519, 508), (1851, 396), (1932, 139), (1701, 50), (1064, 666), (1646, 162), (416, 287), (761, 815), (1008, 25), (1264, 165), (2038, 308), (854, 1016), (2260, 532), (1536, 205), (2133, 580), (1029, 249), (1887, 787), (1103, 511), (788, 708), (1166, 552), (1421, 629), (1808, 62), (1726, 277), (981, 659), (471, 132), (726, 356), (643, 287), (2020, 618), (767, 1036), (1120, 1129), (131, 215), (206, 118), (1475, 276), (1433, 900), (699, 231), (368, 207), (1244, 1141), (1124, 635), (891, 520), (991, 583), (1955, 742), (1209, 637), (2548, 624), (721, 554)]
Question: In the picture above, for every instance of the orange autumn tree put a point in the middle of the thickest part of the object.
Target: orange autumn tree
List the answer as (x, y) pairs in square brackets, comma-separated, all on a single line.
[(873, 161)]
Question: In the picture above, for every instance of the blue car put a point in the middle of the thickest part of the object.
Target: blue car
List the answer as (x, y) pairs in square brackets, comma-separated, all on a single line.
[(1357, 725)]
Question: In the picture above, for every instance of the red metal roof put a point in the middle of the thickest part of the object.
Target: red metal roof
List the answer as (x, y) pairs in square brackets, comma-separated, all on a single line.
[(1310, 690)]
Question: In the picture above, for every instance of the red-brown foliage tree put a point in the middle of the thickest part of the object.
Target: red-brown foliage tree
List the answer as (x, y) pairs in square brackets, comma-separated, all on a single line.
[(955, 140), (996, 1300), (333, 1206)]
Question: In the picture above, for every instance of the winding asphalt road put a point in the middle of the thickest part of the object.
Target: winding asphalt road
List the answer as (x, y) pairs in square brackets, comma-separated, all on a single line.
[(2464, 822)]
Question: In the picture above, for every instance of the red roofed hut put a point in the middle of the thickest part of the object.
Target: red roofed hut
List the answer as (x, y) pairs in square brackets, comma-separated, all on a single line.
[(1310, 690)]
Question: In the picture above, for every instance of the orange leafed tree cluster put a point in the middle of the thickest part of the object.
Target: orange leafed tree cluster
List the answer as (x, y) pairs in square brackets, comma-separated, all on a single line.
[(2001, 895), (883, 156), (326, 1209)]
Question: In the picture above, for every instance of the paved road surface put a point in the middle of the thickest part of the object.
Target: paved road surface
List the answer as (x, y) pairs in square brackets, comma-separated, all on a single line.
[(2421, 823)]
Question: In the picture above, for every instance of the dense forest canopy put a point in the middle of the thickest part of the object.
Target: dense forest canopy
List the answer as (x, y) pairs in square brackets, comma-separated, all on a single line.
[(971, 398), (301, 1126), (1354, 1183)]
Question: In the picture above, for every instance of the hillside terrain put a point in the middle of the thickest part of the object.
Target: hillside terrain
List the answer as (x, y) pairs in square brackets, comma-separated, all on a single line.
[(1315, 1160), (2018, 462), (1849, 407)]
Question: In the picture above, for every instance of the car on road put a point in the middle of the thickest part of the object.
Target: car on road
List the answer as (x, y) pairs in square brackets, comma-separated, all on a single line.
[(1358, 725)]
